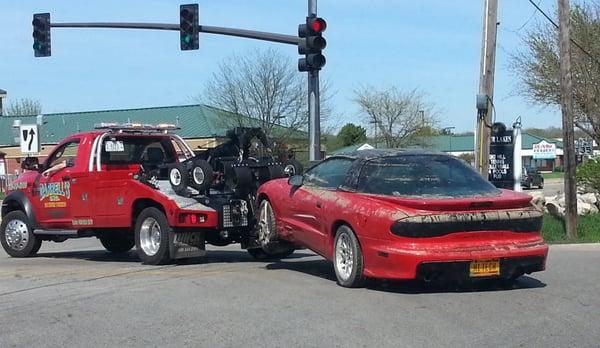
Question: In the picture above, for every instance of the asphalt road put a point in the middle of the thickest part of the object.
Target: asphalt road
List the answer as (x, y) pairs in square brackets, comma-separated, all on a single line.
[(552, 187), (76, 294)]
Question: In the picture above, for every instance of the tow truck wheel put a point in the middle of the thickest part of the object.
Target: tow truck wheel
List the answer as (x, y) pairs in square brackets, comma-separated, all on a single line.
[(17, 235), (152, 237), (292, 167), (117, 242), (240, 178), (179, 178), (201, 175)]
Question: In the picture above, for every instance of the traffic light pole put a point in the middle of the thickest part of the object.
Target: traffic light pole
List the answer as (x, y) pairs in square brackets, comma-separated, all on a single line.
[(314, 104), (250, 34)]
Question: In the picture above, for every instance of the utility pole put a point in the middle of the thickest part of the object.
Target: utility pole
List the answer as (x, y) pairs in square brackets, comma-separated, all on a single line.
[(566, 98), (314, 103), (486, 85)]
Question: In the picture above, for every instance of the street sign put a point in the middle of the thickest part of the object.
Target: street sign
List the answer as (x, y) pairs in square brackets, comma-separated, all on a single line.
[(30, 138), (501, 166)]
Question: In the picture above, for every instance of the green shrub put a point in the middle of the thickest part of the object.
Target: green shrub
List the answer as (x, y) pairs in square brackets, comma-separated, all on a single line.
[(588, 175), (588, 228)]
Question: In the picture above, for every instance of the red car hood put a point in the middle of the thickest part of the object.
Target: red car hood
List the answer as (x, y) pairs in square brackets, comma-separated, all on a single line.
[(506, 200)]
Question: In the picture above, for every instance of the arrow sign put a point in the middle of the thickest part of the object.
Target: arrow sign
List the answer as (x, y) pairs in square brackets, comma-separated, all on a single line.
[(30, 142)]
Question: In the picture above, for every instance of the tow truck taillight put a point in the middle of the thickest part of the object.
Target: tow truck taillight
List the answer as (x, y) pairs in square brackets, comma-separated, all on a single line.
[(193, 219)]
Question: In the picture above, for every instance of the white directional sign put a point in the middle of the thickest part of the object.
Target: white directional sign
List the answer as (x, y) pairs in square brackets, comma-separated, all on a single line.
[(30, 138)]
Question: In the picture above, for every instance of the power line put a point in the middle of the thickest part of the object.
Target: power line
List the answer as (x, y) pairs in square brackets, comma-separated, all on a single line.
[(556, 25)]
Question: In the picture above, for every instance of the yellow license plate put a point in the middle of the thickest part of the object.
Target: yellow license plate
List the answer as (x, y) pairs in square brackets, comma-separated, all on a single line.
[(484, 268)]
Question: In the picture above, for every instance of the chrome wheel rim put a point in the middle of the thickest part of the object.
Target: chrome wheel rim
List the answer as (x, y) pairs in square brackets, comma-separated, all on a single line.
[(289, 170), (17, 234), (175, 176), (150, 236), (344, 256), (264, 229), (198, 175)]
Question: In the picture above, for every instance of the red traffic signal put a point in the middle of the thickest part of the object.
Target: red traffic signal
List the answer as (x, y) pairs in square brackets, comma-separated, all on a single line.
[(311, 44), (317, 25)]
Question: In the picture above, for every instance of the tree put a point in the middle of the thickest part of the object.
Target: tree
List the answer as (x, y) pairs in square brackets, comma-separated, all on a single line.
[(537, 66), (352, 134), (24, 107), (399, 117), (263, 89)]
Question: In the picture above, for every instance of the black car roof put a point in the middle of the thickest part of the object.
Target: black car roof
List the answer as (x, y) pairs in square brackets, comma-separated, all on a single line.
[(381, 153)]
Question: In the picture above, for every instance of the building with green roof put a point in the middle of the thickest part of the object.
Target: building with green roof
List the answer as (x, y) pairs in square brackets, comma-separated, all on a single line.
[(200, 125), (461, 145)]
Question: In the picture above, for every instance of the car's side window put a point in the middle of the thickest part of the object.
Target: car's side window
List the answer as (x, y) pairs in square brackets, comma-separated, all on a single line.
[(330, 174), (67, 152)]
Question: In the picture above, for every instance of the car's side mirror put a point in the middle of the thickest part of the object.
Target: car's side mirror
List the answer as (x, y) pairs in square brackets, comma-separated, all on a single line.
[(30, 163), (296, 180)]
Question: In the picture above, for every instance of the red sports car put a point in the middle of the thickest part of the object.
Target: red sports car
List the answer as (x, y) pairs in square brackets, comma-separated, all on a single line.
[(404, 214)]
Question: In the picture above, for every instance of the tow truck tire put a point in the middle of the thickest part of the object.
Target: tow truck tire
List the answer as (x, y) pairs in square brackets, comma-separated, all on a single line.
[(179, 178), (117, 243), (201, 175), (270, 172), (292, 167), (152, 237), (17, 235), (240, 178)]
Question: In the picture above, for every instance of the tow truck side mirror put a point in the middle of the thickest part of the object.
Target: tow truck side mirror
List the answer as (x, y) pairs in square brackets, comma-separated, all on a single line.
[(30, 163), (296, 180)]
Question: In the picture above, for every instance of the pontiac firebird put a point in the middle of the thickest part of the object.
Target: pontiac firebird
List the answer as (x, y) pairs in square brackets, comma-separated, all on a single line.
[(404, 214)]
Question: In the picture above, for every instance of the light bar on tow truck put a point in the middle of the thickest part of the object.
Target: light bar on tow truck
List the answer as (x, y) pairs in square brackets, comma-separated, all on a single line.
[(132, 127)]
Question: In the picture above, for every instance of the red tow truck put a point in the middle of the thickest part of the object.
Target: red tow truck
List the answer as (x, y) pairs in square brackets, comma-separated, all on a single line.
[(122, 184)]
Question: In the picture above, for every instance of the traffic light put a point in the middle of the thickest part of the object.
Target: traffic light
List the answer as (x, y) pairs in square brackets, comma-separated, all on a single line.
[(311, 44), (41, 35), (188, 26)]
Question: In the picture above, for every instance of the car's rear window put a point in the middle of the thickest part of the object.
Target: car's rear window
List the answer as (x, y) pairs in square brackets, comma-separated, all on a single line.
[(423, 175), (134, 150)]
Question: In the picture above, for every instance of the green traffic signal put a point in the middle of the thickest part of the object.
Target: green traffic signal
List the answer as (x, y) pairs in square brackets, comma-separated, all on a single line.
[(189, 26)]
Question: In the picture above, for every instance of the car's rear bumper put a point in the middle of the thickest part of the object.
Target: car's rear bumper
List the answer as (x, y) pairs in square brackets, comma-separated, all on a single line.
[(450, 260)]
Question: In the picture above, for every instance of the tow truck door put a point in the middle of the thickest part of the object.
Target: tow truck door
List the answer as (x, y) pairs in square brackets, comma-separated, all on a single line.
[(54, 194)]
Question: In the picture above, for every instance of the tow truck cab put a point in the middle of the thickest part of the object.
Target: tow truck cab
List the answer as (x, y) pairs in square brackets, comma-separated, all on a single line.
[(112, 183)]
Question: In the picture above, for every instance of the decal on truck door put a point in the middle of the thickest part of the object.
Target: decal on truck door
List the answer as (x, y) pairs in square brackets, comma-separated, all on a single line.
[(55, 194)]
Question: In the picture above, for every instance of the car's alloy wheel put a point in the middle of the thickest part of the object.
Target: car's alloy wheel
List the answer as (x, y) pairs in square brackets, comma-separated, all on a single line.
[(266, 224), (348, 259), (344, 257)]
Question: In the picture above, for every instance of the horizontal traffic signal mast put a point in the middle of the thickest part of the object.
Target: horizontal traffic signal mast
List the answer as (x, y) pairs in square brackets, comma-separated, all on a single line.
[(41, 35), (311, 44)]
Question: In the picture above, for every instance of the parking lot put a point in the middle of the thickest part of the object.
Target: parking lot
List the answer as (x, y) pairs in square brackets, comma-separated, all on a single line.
[(77, 294)]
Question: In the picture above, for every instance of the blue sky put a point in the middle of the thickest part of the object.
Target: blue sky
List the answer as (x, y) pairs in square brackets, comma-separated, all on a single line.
[(430, 44)]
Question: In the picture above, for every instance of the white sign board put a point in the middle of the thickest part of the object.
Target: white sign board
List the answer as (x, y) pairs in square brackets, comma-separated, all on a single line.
[(30, 138), (544, 150)]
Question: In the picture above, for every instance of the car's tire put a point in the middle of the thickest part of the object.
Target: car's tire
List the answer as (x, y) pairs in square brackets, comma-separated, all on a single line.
[(348, 259), (117, 242), (152, 237), (541, 185), (179, 178), (293, 167), (260, 254), (17, 235), (201, 175)]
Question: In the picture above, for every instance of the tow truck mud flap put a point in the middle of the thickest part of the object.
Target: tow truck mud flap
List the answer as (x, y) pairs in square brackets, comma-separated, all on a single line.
[(186, 244)]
